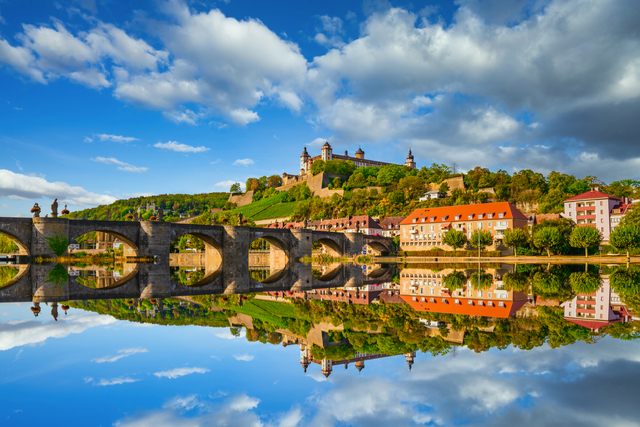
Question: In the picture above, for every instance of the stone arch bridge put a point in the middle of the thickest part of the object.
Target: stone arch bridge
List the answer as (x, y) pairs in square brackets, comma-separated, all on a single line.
[(226, 259)]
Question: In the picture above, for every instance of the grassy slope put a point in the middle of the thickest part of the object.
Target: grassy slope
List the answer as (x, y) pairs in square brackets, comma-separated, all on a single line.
[(265, 209)]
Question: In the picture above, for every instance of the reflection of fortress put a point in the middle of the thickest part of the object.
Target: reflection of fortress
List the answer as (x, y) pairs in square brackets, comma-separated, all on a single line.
[(327, 365)]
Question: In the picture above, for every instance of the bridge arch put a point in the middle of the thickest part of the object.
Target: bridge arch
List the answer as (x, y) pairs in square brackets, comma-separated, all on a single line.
[(279, 256), (128, 234), (23, 270), (379, 246), (334, 248), (118, 283), (212, 253), (23, 248)]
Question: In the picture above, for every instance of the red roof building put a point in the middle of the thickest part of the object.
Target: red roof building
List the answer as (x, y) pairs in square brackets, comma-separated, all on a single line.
[(424, 228), (592, 209)]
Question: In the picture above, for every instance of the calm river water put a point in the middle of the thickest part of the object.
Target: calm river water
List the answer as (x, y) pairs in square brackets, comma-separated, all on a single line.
[(532, 345)]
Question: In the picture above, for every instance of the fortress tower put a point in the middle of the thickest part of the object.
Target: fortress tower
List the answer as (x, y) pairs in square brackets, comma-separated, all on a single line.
[(327, 152)]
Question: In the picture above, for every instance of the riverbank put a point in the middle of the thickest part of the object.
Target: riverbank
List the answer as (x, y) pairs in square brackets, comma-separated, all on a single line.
[(560, 259)]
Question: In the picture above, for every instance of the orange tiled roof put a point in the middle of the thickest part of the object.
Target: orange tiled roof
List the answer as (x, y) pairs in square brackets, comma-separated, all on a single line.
[(450, 307), (450, 212)]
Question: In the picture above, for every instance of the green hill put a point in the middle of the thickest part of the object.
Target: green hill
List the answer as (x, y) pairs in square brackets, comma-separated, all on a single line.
[(172, 204)]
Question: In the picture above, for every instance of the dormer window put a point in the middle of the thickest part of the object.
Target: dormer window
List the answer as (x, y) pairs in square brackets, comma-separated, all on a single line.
[(433, 218), (414, 220), (470, 216), (490, 215), (444, 218), (480, 216), (422, 219), (501, 215), (457, 217)]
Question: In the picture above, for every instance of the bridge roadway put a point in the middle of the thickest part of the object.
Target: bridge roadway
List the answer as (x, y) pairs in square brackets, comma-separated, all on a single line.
[(226, 259)]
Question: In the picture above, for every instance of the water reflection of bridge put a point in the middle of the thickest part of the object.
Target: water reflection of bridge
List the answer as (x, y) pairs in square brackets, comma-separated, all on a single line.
[(226, 259)]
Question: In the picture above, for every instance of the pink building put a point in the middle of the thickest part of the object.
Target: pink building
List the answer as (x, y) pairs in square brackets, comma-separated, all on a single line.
[(597, 310), (592, 209)]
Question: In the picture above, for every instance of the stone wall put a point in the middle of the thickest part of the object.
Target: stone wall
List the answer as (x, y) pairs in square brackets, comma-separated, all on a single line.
[(241, 199)]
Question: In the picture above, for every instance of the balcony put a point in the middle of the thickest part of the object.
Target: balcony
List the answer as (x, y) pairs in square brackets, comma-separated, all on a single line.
[(586, 216), (585, 208), (501, 227)]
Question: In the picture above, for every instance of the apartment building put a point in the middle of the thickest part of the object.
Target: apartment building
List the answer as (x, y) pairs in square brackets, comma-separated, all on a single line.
[(592, 209), (391, 226), (596, 310), (424, 291), (425, 228)]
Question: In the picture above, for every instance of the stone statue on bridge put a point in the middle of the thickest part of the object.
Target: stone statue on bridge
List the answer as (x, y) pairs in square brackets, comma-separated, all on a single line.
[(54, 209), (240, 218), (159, 215), (305, 223), (54, 311), (36, 210)]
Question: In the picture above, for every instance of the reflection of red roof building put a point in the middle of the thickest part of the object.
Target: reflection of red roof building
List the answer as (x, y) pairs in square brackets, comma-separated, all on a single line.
[(597, 310), (465, 306), (424, 290)]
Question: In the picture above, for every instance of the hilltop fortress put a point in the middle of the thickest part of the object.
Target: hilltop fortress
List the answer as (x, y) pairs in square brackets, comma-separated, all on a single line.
[(318, 183)]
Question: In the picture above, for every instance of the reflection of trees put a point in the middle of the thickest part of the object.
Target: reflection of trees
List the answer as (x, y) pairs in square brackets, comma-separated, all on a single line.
[(584, 282), (552, 284), (186, 276), (259, 274), (515, 281), (626, 283), (7, 274), (481, 279), (454, 280)]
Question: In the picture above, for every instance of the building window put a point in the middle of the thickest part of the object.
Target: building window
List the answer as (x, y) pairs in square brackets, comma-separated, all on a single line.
[(479, 294), (457, 217), (600, 211), (422, 291), (601, 219), (431, 291), (569, 204), (489, 224), (501, 304), (469, 235), (457, 301), (501, 215), (489, 295), (600, 202), (470, 216), (469, 302), (569, 213)]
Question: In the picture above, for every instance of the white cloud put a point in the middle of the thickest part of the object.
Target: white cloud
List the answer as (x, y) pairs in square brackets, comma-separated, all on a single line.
[(225, 334), (121, 165), (234, 411), (244, 357), (87, 139), (17, 333), (116, 381), (114, 138), (180, 372), (226, 185), (180, 148), (121, 354), (25, 187), (243, 162)]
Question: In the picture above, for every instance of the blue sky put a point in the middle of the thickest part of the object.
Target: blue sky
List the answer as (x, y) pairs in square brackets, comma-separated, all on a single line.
[(106, 372), (102, 100)]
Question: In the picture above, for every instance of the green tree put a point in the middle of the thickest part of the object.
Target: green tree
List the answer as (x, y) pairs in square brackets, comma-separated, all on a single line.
[(480, 239), (412, 187), (632, 217), (625, 238), (444, 188), (236, 188), (584, 282), (547, 238), (274, 181), (454, 280), (317, 167), (455, 239), (517, 282), (249, 184), (515, 238), (585, 237), (58, 243), (481, 279), (7, 246)]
